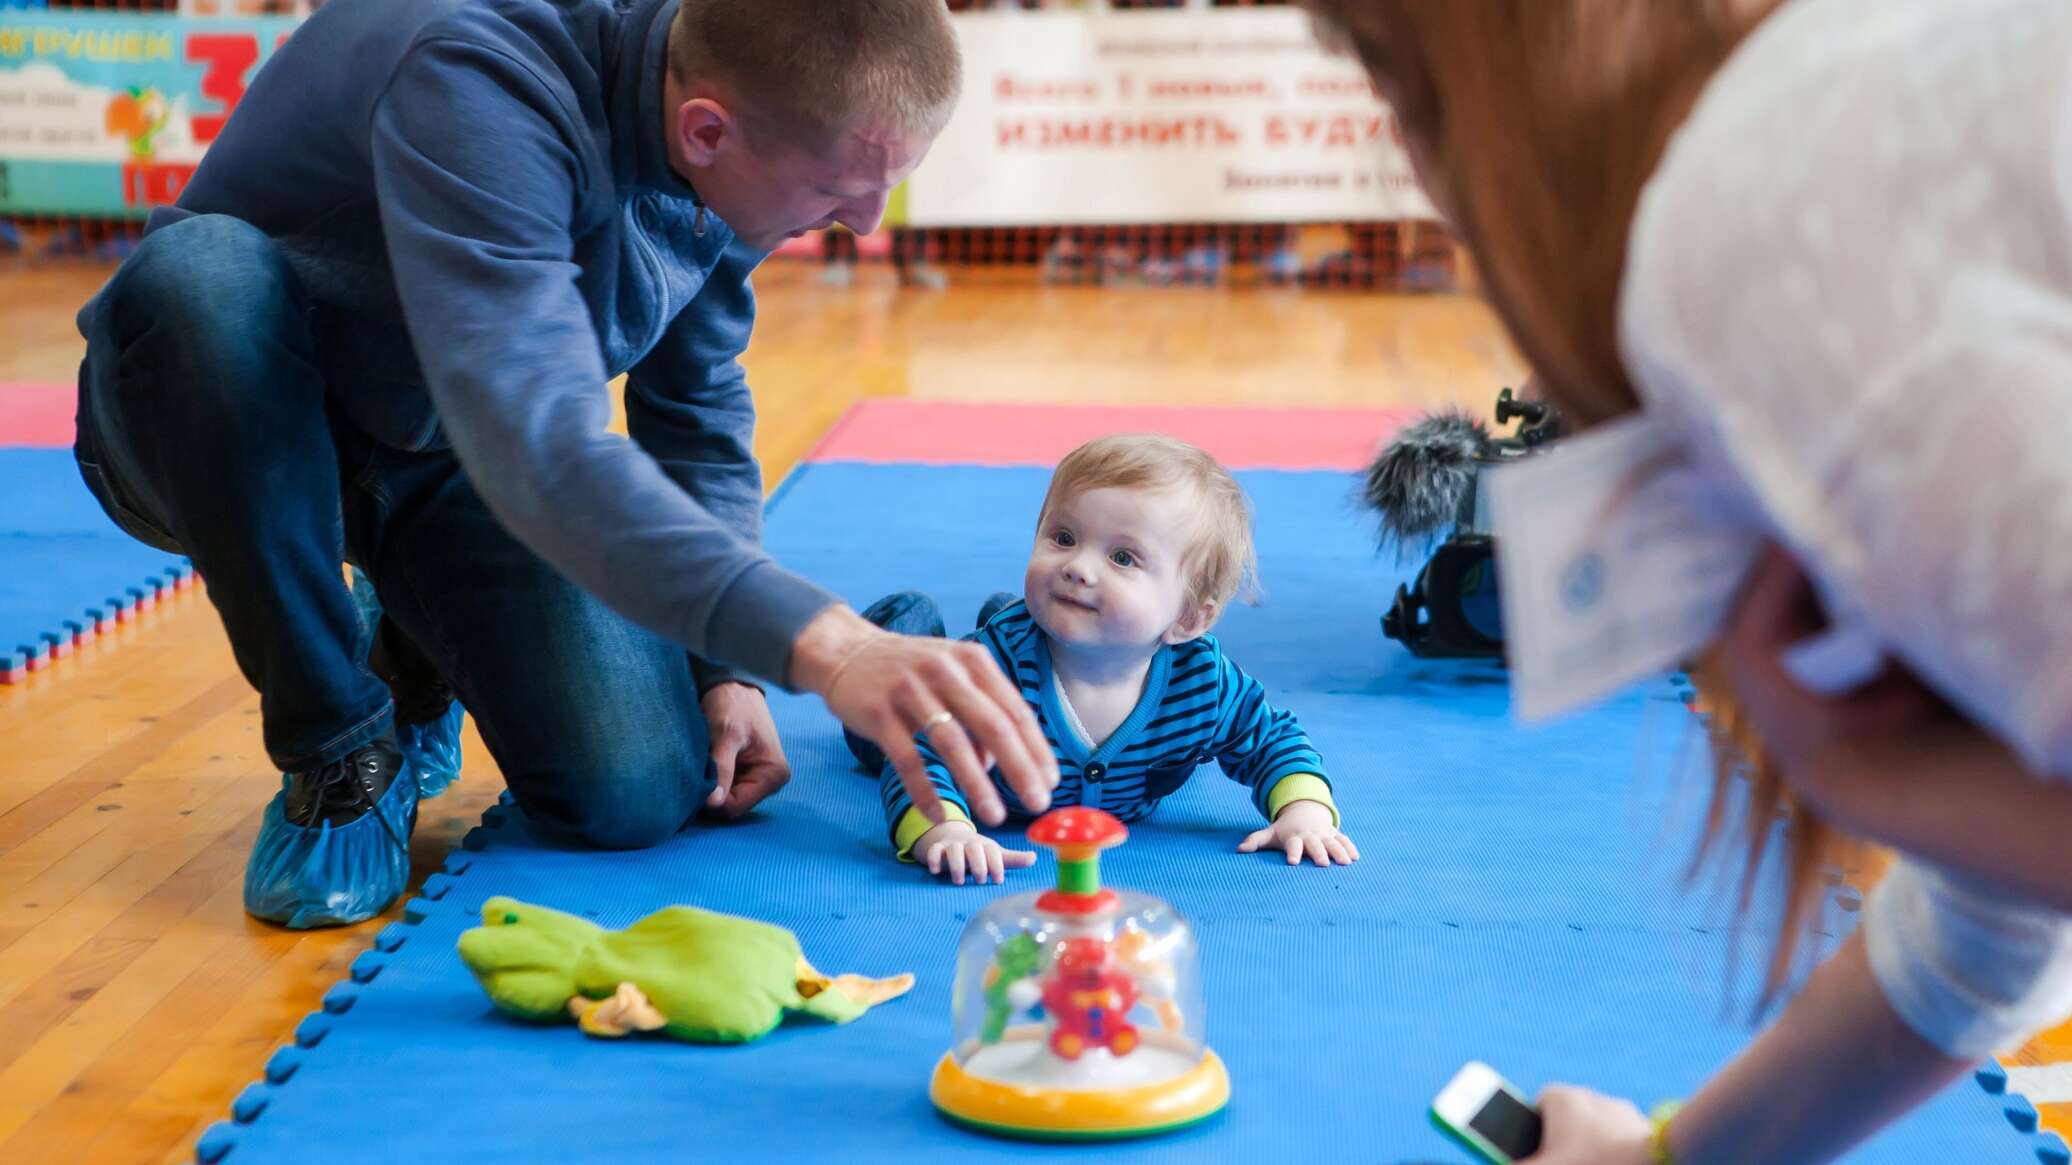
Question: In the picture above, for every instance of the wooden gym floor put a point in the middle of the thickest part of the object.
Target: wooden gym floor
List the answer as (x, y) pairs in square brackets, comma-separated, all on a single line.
[(136, 999)]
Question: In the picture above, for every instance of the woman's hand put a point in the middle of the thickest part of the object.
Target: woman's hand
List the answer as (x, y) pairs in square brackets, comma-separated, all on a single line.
[(1891, 762), (1581, 1127), (1836, 752)]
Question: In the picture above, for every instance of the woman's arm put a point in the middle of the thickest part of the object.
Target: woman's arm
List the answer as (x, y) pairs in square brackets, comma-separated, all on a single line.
[(1957, 799), (1838, 1065), (1968, 934)]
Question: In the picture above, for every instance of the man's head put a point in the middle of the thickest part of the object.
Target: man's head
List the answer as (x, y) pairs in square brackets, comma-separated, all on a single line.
[(792, 115), (1143, 540)]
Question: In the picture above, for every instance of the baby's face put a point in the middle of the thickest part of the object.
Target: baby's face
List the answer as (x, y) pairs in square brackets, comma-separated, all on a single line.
[(1107, 569)]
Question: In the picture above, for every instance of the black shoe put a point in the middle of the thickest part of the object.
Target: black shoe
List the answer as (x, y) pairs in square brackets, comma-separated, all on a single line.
[(420, 692), (346, 789)]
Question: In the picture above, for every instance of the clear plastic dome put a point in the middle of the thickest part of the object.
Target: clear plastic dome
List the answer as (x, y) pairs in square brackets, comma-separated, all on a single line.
[(1078, 1011), (1078, 1000)]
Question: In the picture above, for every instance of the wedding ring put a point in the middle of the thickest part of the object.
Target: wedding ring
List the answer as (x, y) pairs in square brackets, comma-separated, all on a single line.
[(937, 721)]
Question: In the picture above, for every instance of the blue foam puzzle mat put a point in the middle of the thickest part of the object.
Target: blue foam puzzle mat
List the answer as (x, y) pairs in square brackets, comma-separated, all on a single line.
[(1517, 903), (63, 565)]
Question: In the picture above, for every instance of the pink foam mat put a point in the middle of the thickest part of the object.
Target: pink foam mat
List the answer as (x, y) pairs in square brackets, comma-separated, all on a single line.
[(895, 431), (38, 416)]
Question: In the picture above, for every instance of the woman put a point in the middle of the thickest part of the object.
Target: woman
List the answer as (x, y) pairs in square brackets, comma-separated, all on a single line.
[(1825, 243)]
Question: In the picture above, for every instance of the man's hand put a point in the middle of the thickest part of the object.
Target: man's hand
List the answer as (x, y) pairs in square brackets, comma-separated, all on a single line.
[(890, 687), (745, 749)]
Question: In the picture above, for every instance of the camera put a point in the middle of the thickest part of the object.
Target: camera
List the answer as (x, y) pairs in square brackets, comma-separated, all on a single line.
[(1426, 483)]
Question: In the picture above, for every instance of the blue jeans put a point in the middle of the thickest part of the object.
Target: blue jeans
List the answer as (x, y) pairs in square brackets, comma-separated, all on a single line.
[(204, 430), (910, 613)]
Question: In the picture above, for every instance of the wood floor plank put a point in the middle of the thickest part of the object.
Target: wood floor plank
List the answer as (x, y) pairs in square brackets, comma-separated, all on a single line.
[(98, 775)]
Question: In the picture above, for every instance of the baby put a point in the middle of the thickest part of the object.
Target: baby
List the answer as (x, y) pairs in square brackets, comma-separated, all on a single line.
[(1141, 544)]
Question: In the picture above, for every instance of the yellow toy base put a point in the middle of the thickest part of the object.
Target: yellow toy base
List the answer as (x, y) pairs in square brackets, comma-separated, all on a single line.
[(1069, 1114)]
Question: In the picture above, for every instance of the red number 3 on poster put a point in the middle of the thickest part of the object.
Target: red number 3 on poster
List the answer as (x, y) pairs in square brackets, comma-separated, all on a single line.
[(229, 56)]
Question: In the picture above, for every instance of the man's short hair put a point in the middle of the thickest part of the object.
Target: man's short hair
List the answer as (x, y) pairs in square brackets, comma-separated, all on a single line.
[(810, 70)]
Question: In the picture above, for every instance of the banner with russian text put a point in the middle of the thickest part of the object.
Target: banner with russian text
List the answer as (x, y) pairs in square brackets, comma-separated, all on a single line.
[(1151, 116), (106, 114)]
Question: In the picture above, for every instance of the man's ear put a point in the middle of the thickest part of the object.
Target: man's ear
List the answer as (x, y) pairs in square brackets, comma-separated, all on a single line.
[(1194, 622), (706, 129)]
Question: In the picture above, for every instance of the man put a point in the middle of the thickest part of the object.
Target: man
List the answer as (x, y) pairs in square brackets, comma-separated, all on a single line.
[(379, 326)]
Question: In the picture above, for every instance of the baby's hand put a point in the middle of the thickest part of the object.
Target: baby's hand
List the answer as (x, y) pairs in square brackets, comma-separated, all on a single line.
[(1304, 827), (954, 847)]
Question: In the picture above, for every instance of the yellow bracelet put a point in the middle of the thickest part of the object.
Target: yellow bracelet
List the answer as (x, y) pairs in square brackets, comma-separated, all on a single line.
[(1659, 1151)]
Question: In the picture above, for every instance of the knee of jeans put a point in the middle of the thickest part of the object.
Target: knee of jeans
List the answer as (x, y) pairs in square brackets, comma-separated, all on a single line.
[(629, 823), (213, 284), (633, 802)]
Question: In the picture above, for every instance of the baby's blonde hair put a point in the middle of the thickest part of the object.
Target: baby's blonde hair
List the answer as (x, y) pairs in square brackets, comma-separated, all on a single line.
[(1221, 563)]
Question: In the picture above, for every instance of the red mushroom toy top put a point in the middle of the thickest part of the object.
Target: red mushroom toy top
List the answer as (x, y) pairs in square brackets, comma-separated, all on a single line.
[(1078, 835), (1078, 829)]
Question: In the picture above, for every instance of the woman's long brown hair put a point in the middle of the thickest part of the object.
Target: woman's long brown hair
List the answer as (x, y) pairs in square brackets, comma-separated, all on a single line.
[(1535, 124)]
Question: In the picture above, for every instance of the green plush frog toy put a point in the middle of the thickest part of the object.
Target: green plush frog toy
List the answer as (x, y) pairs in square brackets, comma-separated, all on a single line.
[(686, 972)]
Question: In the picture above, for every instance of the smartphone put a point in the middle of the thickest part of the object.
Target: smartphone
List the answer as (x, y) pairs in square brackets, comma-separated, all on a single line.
[(1486, 1113)]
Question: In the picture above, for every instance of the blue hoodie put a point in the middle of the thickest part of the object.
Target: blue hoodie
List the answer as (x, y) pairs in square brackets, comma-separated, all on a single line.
[(477, 198)]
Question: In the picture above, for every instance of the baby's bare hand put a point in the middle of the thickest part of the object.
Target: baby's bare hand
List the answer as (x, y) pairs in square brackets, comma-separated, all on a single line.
[(954, 848), (1304, 829)]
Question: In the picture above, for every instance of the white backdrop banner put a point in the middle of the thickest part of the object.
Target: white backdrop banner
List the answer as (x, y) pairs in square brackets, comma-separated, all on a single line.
[(1149, 115)]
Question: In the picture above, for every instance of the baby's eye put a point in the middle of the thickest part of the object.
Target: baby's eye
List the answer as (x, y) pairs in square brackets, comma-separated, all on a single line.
[(1123, 558), (1063, 538)]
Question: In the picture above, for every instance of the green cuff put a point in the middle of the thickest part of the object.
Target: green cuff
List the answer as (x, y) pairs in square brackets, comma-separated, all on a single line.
[(1297, 787), (912, 824)]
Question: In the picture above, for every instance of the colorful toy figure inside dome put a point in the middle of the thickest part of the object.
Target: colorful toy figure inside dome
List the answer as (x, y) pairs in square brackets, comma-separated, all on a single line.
[(1078, 1010)]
